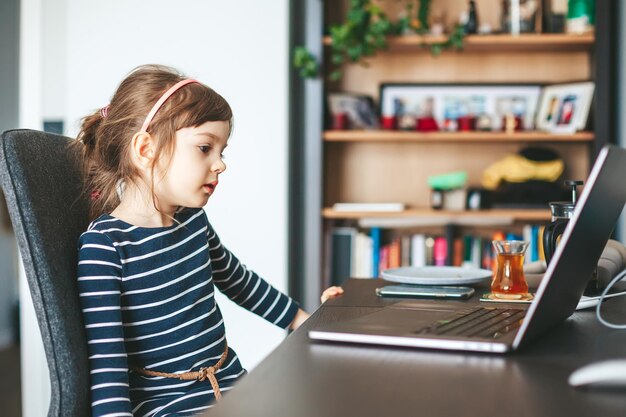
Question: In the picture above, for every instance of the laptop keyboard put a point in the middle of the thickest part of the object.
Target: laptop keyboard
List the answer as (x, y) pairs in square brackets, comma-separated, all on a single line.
[(481, 322)]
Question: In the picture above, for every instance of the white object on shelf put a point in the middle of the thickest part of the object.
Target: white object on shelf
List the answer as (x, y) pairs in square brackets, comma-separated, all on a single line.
[(440, 220), (454, 200), (418, 250), (378, 207)]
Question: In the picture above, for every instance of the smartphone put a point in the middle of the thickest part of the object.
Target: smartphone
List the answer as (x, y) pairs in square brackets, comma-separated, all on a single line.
[(425, 291)]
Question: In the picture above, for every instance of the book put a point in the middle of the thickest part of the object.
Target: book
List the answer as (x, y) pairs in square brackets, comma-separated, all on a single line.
[(468, 243), (375, 235), (527, 233), (532, 253), (374, 207), (394, 254), (405, 250), (440, 251), (477, 249), (513, 236), (540, 252), (488, 261), (418, 250), (430, 246), (383, 262), (362, 257), (535, 243), (449, 235), (342, 247), (457, 253)]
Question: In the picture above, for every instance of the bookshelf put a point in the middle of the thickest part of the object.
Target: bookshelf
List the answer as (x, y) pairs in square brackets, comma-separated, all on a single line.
[(515, 215), (457, 137), (377, 166), (495, 43)]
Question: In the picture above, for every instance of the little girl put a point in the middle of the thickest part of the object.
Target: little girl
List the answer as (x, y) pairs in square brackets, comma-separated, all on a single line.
[(149, 261)]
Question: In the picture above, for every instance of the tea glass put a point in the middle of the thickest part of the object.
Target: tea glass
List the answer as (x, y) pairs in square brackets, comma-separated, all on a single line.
[(509, 281)]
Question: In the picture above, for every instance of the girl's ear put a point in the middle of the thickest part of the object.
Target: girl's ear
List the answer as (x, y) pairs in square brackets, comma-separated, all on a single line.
[(143, 148)]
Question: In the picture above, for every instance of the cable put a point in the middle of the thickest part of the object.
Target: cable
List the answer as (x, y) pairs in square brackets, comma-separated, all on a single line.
[(615, 280), (591, 302)]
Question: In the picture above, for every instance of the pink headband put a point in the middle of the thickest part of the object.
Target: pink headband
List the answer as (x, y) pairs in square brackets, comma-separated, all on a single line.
[(162, 100)]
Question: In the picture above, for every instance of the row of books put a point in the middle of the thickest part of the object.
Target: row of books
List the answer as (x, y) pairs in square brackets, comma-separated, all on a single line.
[(365, 253)]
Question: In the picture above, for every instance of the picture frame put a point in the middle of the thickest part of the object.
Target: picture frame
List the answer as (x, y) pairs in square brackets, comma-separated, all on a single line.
[(564, 108), (445, 102), (358, 108), (553, 16), (526, 17)]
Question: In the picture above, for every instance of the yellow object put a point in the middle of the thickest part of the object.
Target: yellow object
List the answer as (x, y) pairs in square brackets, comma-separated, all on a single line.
[(516, 168)]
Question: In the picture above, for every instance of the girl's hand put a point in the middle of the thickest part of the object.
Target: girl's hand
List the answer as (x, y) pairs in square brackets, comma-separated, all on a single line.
[(331, 292), (301, 317)]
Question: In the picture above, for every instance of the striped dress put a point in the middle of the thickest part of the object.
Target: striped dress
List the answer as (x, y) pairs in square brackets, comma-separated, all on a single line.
[(148, 301)]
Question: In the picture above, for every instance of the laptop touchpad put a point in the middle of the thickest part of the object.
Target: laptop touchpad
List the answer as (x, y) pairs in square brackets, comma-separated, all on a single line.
[(393, 319), (430, 305)]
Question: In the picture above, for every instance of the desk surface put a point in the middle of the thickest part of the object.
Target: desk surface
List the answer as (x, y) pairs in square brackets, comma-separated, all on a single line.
[(303, 378)]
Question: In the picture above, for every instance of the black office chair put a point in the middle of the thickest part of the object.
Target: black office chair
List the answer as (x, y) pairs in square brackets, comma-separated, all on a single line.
[(40, 177)]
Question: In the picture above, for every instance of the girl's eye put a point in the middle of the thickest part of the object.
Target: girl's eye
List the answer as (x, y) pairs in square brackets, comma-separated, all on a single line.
[(206, 149)]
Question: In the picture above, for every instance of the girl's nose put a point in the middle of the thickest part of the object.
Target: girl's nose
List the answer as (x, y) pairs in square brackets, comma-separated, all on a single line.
[(219, 166)]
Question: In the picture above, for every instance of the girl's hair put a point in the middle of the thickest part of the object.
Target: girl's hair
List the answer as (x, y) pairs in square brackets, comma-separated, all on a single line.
[(106, 135)]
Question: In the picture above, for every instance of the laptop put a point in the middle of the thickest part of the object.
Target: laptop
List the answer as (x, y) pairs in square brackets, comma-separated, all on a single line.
[(500, 327)]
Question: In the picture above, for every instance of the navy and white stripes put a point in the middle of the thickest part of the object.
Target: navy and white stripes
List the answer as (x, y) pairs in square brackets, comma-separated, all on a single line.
[(148, 301)]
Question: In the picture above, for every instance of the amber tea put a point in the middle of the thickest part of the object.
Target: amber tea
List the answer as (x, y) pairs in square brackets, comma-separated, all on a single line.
[(509, 280)]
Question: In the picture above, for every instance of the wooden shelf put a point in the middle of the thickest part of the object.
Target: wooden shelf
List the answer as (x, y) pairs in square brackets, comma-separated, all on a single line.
[(523, 43), (423, 216), (473, 137)]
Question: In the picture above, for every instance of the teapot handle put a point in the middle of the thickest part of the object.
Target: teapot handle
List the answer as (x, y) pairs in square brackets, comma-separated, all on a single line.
[(551, 234)]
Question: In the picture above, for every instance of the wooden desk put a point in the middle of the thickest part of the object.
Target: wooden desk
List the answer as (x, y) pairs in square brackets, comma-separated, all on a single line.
[(303, 378)]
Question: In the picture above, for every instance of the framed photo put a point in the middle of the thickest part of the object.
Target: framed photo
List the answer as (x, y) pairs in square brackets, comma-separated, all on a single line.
[(358, 108), (451, 102), (564, 108), (525, 18)]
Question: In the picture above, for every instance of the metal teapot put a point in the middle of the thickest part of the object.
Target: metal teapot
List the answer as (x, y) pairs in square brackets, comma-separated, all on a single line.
[(561, 213)]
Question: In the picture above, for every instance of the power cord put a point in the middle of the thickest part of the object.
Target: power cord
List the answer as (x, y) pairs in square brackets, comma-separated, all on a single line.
[(604, 295)]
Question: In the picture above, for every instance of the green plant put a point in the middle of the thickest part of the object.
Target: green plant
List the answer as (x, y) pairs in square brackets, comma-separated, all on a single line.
[(455, 41), (305, 62), (364, 32)]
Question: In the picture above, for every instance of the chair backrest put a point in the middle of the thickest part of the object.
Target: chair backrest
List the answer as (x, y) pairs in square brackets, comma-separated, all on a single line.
[(41, 180)]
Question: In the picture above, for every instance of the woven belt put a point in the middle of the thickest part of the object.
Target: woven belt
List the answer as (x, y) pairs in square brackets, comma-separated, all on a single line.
[(201, 375)]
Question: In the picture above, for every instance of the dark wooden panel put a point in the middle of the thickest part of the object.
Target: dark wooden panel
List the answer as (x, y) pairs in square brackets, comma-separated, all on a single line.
[(304, 378)]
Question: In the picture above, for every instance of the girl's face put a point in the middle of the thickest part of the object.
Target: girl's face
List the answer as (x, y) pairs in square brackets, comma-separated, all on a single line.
[(192, 174)]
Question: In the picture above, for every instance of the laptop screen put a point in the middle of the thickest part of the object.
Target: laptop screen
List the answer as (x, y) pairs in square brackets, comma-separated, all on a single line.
[(581, 246)]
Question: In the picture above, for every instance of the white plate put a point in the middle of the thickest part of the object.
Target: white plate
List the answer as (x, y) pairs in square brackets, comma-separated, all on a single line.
[(437, 275)]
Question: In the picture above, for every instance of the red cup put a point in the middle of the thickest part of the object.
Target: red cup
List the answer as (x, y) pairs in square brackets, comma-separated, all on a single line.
[(426, 124), (389, 122), (340, 121), (518, 123), (466, 123)]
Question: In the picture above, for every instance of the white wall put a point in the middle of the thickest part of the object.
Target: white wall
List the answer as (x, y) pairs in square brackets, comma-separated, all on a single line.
[(239, 48), (33, 363), (53, 58), (83, 48)]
